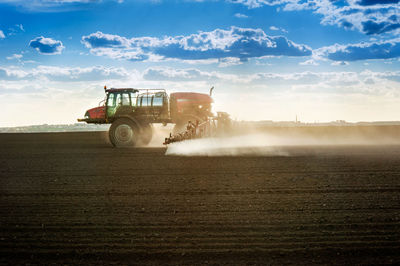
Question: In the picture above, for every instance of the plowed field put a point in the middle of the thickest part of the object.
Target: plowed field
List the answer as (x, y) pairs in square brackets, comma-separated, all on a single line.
[(70, 198)]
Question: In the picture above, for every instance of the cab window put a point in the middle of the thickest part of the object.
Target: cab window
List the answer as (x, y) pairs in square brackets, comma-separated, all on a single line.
[(118, 99), (133, 98), (146, 100), (158, 100), (125, 99), (111, 100)]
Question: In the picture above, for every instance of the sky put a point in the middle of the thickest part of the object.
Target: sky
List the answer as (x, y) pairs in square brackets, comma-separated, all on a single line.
[(319, 60)]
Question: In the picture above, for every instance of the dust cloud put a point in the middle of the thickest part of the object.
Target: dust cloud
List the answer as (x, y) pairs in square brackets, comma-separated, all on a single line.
[(160, 132), (277, 141), (227, 146)]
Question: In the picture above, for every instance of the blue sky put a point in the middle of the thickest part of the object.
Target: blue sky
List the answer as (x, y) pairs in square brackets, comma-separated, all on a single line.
[(322, 60)]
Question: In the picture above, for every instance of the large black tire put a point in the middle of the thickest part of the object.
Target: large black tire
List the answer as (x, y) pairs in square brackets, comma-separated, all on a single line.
[(123, 133), (146, 134)]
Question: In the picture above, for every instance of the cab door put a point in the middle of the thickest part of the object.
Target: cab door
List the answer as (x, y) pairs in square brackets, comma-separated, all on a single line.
[(123, 104), (120, 103), (111, 105)]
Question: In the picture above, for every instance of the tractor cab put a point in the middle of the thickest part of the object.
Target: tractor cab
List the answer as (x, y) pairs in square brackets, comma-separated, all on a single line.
[(145, 104), (120, 101), (151, 105)]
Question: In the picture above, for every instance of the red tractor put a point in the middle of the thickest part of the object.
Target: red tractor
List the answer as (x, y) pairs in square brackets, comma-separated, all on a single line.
[(131, 112)]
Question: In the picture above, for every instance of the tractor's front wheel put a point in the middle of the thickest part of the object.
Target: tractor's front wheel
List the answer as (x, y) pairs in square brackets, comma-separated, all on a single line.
[(123, 133)]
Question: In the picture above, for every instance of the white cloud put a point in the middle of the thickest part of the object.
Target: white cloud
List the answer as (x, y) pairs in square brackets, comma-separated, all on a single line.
[(81, 74), (337, 83), (274, 28), (14, 56), (189, 75), (337, 95), (360, 51), (103, 40), (64, 93), (65, 74), (367, 16), (310, 62), (340, 63), (257, 3), (50, 5), (229, 61), (2, 36), (46, 46), (239, 15), (381, 76), (242, 43)]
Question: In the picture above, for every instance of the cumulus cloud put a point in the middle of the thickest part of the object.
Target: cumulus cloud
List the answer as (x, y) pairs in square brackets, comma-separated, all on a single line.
[(376, 2), (335, 82), (2, 36), (102, 40), (242, 43), (46, 46), (319, 83), (367, 16), (361, 51), (371, 27)]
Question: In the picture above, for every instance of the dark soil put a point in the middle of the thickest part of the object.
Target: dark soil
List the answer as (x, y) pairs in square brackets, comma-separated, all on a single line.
[(70, 198)]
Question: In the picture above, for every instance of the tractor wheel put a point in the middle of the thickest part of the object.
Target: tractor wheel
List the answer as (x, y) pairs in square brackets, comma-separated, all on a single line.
[(123, 133), (146, 134)]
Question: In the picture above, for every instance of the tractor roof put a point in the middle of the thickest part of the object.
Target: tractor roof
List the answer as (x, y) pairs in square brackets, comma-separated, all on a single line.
[(122, 90), (149, 91)]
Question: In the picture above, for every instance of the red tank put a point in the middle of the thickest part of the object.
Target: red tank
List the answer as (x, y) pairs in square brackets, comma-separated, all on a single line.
[(185, 104)]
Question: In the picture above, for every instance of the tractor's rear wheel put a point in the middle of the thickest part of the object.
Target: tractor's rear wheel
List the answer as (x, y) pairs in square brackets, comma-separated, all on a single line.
[(123, 133), (146, 134)]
